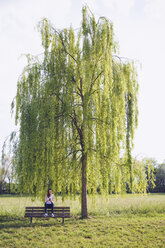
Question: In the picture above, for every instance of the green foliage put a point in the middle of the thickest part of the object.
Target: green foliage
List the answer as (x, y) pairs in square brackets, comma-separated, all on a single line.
[(77, 98)]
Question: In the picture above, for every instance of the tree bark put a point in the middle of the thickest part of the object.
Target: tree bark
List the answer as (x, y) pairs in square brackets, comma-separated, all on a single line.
[(84, 213)]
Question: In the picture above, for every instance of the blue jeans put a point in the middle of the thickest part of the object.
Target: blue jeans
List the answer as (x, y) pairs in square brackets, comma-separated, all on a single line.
[(49, 206)]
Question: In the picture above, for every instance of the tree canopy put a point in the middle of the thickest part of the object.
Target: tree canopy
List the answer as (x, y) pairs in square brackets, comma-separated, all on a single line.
[(76, 105)]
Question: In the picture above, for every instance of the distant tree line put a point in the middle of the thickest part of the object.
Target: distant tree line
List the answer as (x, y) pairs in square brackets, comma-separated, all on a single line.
[(7, 186)]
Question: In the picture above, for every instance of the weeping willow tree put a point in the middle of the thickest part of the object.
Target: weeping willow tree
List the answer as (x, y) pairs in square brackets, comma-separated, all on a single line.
[(76, 105)]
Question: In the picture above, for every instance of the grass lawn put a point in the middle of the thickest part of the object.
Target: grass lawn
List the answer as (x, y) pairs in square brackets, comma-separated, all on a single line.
[(118, 221)]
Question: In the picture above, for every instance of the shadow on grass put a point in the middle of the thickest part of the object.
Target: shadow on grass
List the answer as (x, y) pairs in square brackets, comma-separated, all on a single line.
[(12, 221), (19, 222)]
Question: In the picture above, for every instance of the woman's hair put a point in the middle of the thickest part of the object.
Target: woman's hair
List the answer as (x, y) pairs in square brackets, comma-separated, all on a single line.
[(48, 194)]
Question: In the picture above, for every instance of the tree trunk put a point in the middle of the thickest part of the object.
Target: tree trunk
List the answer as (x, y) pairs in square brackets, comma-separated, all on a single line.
[(9, 185), (84, 213)]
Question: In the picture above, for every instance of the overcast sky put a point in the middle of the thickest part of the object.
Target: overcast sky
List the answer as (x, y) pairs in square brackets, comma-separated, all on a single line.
[(140, 30)]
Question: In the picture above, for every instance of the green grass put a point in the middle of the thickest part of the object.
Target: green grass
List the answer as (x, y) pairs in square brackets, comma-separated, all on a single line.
[(118, 221)]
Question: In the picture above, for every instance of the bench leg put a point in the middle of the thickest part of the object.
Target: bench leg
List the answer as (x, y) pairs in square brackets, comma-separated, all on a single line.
[(63, 221), (30, 220)]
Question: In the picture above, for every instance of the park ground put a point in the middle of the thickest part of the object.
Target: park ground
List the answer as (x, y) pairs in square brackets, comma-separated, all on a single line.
[(114, 221)]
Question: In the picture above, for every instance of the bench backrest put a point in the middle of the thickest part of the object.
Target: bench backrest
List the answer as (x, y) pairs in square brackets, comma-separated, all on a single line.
[(61, 212)]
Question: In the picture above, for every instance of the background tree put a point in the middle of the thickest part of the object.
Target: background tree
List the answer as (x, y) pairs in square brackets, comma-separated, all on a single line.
[(5, 174), (77, 109), (159, 173), (160, 178)]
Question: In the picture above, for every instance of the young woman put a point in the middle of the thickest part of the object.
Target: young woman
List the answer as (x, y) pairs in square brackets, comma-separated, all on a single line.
[(49, 199)]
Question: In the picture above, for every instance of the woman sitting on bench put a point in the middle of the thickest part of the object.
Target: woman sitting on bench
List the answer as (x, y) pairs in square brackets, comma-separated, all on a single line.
[(49, 199)]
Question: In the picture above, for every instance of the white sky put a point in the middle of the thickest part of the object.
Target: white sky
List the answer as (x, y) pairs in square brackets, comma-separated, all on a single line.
[(140, 29)]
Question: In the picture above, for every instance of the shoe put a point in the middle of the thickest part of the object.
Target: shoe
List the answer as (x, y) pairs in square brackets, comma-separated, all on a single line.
[(45, 215), (52, 215)]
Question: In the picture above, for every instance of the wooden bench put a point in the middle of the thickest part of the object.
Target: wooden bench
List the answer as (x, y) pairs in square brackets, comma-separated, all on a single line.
[(38, 212)]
